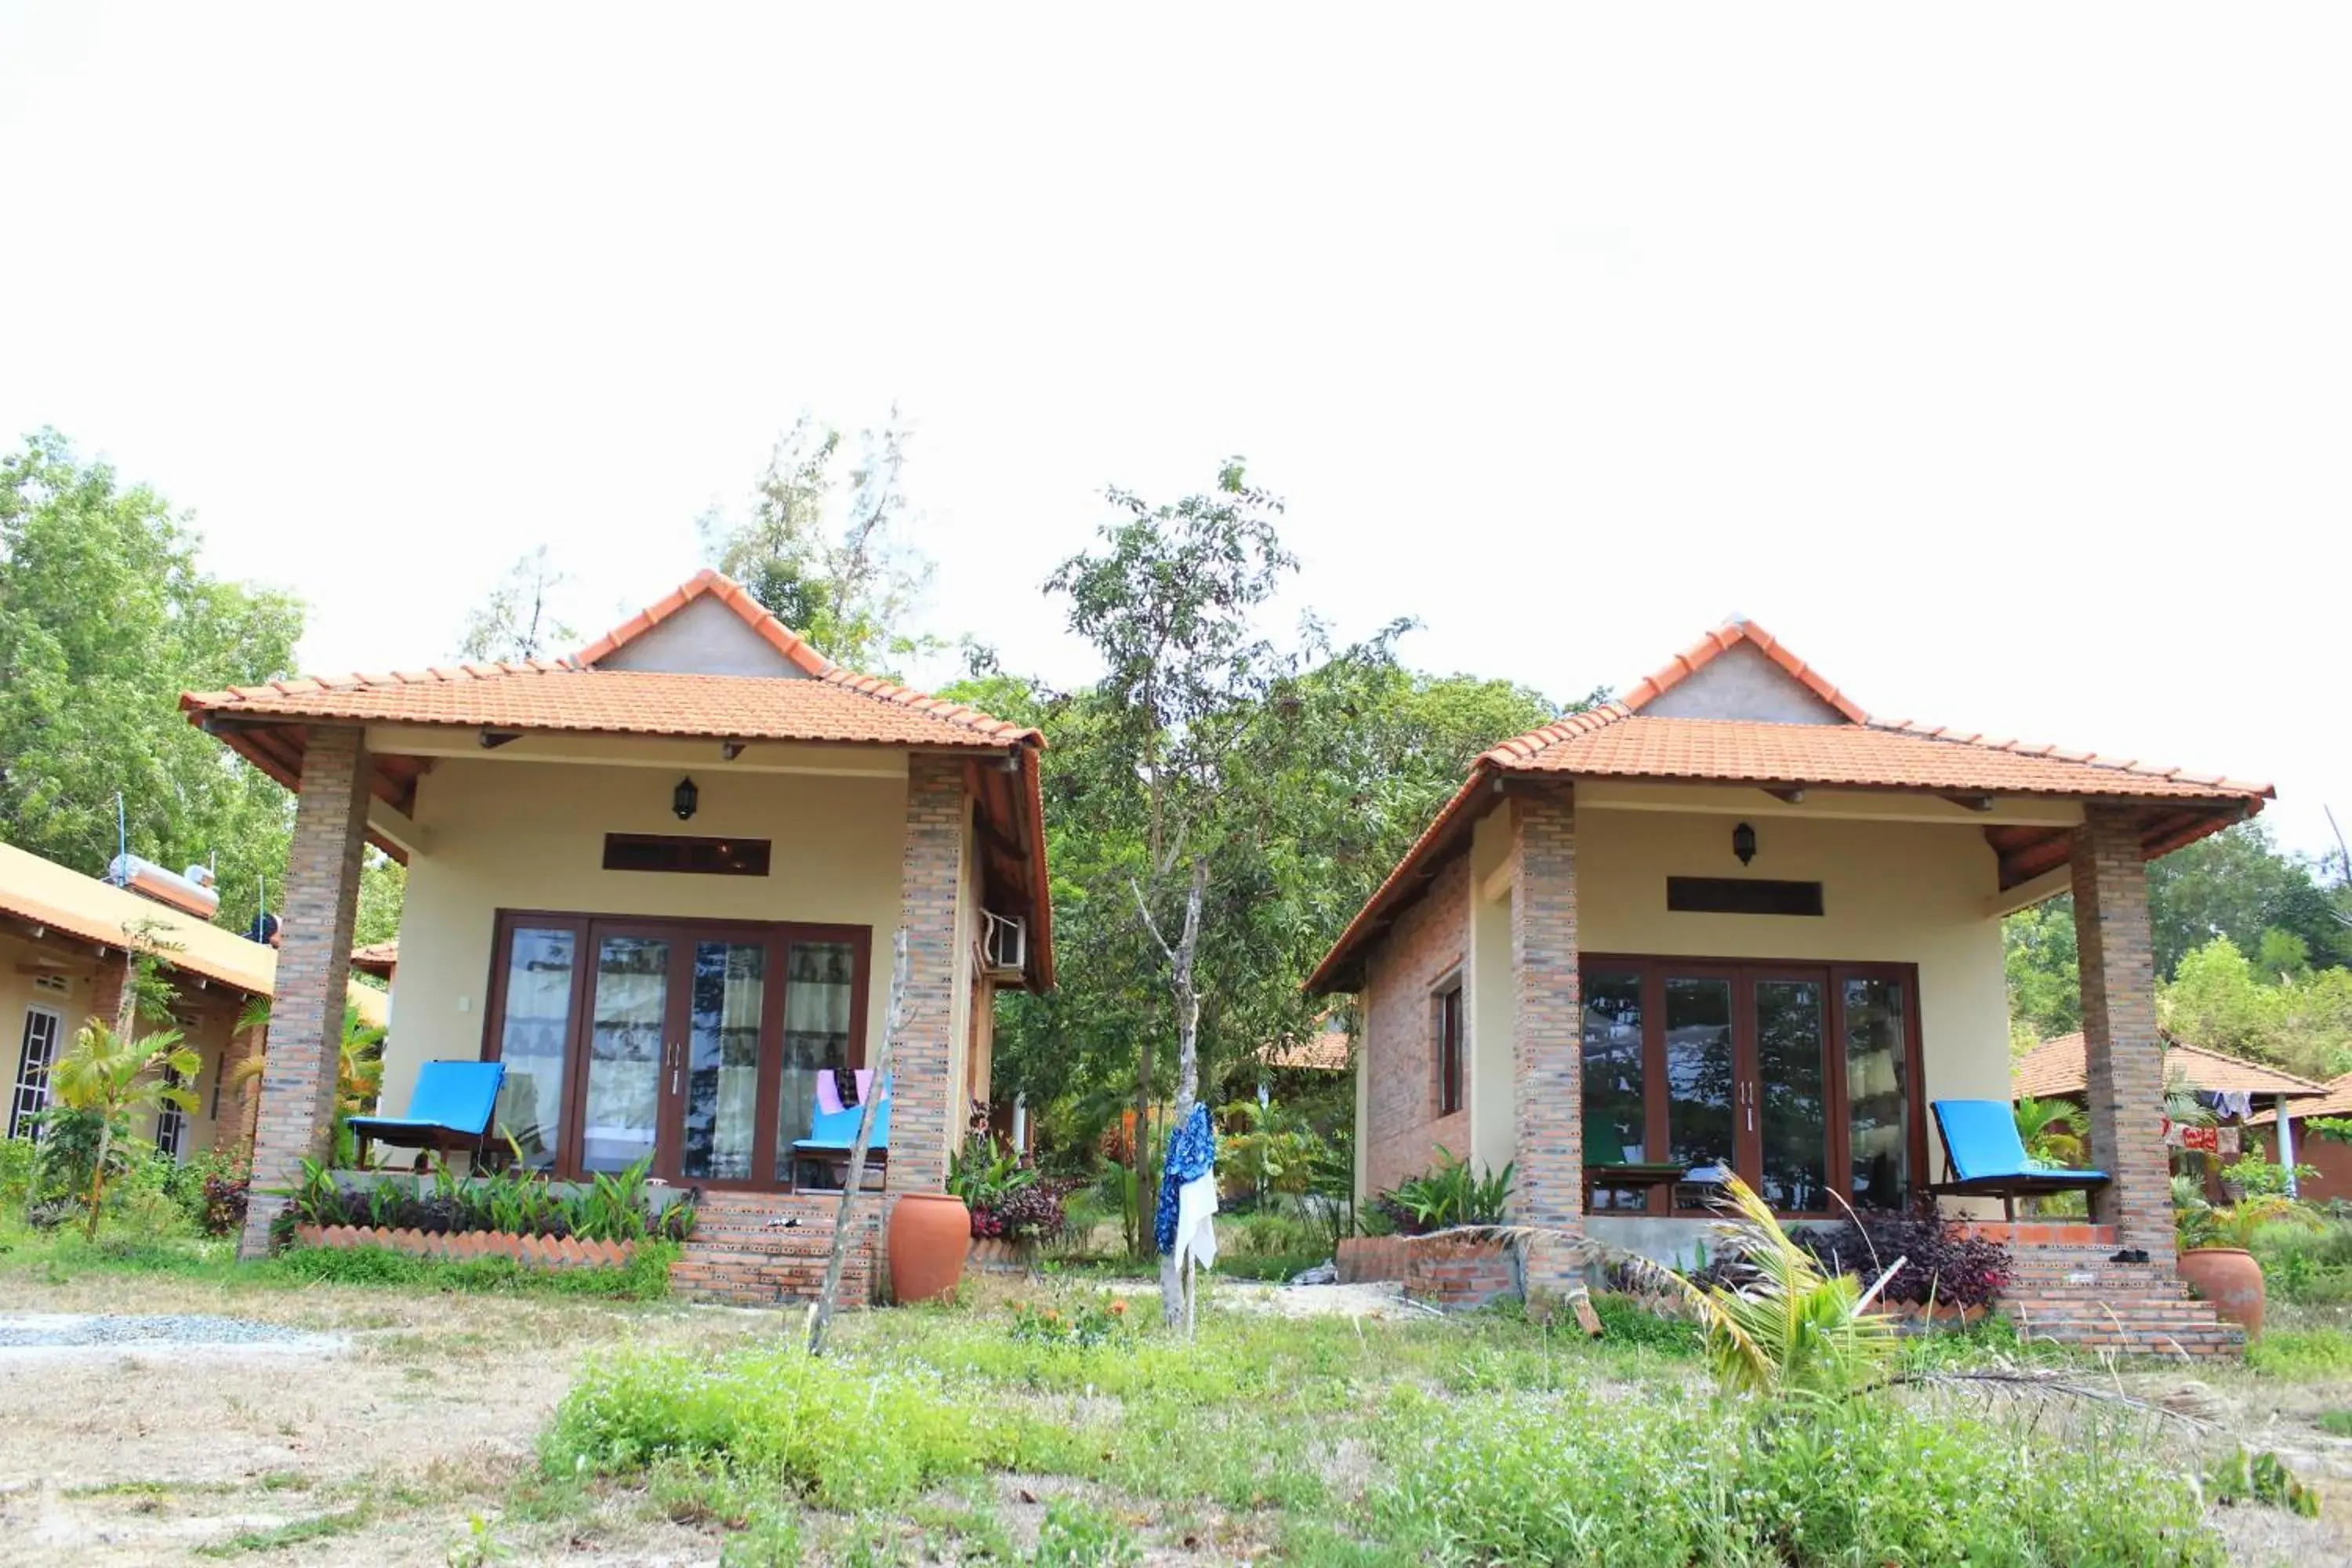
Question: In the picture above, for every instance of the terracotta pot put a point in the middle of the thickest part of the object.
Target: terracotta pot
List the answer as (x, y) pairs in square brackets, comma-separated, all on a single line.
[(929, 1235), (2230, 1278)]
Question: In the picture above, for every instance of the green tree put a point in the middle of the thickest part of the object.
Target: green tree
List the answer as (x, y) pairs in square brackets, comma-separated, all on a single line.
[(383, 883), (823, 548), (2046, 979), (516, 620), (105, 618), (2238, 884)]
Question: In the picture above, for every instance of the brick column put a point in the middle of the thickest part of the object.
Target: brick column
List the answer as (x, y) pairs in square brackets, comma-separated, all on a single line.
[(925, 1120), (1547, 1094), (306, 1021), (2121, 1050)]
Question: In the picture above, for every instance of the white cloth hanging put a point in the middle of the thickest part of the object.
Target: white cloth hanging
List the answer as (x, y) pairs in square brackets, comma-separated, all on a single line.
[(1196, 1200)]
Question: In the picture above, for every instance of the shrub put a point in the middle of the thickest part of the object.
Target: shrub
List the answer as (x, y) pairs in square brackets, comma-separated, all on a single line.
[(2301, 1353), (1942, 1262), (844, 1436), (611, 1207), (1032, 1213), (1584, 1476), (1449, 1193)]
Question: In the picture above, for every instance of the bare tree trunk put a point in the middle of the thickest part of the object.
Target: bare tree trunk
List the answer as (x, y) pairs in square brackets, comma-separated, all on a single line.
[(1173, 1284), (821, 1313)]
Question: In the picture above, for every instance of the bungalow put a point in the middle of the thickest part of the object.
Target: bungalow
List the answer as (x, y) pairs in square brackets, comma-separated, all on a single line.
[(2329, 1155), (62, 940), (1731, 923), (2231, 1088), (659, 881)]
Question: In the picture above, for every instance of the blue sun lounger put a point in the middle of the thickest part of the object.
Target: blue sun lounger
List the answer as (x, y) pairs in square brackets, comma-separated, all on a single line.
[(1984, 1157), (832, 1133), (450, 1109)]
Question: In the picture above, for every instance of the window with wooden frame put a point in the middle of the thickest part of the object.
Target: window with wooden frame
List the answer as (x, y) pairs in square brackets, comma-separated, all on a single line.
[(1445, 1028)]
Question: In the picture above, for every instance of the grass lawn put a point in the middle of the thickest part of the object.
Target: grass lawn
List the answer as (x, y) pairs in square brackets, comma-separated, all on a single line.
[(489, 1422)]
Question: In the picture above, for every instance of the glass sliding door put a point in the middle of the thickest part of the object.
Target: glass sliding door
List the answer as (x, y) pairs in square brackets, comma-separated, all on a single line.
[(699, 1043), (1616, 1111), (820, 1006), (1802, 1079), (1790, 1092), (628, 1049), (722, 1070), (1702, 1083), (531, 1018), (1875, 1020)]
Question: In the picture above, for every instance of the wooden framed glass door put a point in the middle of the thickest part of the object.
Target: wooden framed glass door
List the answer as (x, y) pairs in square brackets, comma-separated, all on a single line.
[(696, 1042), (1801, 1078)]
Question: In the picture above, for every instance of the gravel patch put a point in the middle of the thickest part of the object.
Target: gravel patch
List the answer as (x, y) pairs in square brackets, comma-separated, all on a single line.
[(26, 1336)]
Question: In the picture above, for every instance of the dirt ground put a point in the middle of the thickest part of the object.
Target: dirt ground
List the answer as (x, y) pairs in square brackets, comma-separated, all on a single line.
[(425, 1420)]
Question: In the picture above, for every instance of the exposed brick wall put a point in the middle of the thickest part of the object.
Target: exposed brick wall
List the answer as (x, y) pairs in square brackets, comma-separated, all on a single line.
[(1546, 1051), (1402, 1129), (1457, 1275), (2121, 1048), (762, 1249), (306, 1022), (925, 1118), (1362, 1259)]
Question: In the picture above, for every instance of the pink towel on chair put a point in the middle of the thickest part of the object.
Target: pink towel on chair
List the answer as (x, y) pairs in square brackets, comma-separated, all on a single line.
[(828, 1095)]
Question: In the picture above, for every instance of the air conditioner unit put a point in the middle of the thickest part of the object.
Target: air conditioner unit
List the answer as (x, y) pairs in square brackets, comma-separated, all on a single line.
[(1003, 943)]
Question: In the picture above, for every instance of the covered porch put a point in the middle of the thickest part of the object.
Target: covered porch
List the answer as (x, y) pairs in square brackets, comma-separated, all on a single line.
[(1729, 924)]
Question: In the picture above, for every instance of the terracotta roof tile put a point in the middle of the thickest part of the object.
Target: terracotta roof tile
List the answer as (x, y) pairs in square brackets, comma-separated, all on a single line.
[(2056, 1068), (833, 705), (1617, 741), (2338, 1102)]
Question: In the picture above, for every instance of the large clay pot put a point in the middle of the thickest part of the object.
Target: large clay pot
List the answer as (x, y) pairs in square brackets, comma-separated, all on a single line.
[(2229, 1278), (929, 1235)]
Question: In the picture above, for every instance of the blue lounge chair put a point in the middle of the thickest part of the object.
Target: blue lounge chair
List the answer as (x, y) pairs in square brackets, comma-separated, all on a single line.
[(1984, 1158), (449, 1109), (832, 1133)]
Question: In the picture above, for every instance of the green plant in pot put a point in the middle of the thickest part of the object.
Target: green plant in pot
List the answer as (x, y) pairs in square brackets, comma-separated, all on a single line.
[(2217, 1256)]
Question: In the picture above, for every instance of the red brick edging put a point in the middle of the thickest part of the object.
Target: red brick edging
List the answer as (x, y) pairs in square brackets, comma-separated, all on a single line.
[(535, 1251)]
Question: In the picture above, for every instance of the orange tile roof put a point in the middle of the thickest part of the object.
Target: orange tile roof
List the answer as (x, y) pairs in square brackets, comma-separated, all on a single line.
[(378, 958), (2055, 1068), (831, 706), (1618, 741), (1325, 1050), (835, 705), (2338, 1102)]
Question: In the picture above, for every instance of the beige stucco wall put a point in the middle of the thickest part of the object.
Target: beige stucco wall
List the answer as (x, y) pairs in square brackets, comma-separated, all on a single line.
[(1897, 891), (531, 836), (1890, 892), (208, 1013)]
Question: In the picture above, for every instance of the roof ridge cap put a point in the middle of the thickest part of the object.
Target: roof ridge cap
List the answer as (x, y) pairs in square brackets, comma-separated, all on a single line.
[(1721, 640), (1525, 747), (710, 582)]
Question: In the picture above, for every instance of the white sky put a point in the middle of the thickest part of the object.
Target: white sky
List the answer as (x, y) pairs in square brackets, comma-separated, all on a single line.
[(1996, 360)]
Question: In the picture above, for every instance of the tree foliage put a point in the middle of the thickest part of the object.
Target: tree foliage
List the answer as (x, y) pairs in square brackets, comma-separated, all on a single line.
[(105, 618), (516, 620), (824, 549)]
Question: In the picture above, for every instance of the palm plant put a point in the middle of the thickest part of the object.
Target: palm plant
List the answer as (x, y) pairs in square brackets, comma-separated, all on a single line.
[(2050, 1130), (359, 1069), (1786, 1327), (111, 1075), (2201, 1224)]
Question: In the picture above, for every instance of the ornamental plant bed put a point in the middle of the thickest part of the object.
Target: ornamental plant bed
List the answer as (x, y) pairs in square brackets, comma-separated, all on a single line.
[(534, 1251)]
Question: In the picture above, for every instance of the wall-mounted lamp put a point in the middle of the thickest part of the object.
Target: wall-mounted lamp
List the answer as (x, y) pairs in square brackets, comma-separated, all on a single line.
[(682, 800), (1743, 843)]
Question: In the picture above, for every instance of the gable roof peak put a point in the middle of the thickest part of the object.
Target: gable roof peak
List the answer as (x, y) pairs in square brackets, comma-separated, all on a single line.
[(1734, 630), (710, 582)]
